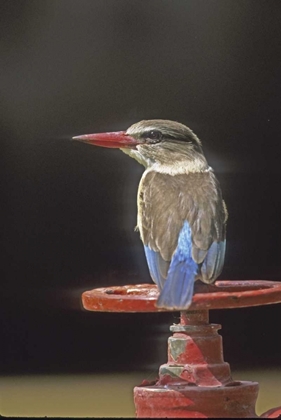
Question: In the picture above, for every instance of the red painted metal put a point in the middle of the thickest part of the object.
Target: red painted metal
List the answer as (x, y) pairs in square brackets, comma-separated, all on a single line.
[(221, 295), (195, 382)]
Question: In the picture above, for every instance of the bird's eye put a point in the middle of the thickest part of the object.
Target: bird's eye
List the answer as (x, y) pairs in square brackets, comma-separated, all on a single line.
[(154, 135)]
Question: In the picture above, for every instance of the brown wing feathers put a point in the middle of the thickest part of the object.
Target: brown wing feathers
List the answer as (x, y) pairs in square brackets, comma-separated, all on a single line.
[(165, 202)]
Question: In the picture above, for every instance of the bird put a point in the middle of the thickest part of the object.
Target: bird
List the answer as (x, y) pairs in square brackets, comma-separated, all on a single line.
[(181, 214)]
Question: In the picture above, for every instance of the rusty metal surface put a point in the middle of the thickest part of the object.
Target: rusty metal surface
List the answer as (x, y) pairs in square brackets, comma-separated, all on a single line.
[(195, 382), (222, 294), (234, 401)]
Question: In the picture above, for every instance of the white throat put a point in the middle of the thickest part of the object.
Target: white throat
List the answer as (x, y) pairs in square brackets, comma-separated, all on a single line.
[(185, 167)]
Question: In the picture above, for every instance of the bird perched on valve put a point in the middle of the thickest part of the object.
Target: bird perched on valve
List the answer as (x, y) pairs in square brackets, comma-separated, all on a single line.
[(181, 214)]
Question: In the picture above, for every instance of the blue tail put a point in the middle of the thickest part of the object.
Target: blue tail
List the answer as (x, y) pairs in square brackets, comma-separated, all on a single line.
[(176, 287)]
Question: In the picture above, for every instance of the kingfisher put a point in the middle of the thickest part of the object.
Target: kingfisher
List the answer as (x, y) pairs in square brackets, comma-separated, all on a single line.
[(181, 213)]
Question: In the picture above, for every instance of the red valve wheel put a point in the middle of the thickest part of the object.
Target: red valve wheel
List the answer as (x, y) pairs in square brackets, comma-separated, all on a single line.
[(222, 294)]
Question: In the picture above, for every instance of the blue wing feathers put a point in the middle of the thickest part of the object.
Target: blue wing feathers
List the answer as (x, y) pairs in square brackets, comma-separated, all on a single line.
[(213, 263), (152, 258)]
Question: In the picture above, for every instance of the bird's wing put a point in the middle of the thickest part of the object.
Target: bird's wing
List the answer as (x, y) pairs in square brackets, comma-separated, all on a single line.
[(213, 262), (165, 203), (158, 267)]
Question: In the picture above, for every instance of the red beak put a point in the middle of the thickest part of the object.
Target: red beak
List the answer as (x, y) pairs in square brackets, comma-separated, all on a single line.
[(117, 139)]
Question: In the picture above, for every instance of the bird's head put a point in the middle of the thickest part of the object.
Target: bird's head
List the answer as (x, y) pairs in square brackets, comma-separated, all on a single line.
[(150, 142)]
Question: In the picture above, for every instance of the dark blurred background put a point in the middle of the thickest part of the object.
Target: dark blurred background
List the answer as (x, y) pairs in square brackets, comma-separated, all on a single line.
[(69, 210)]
